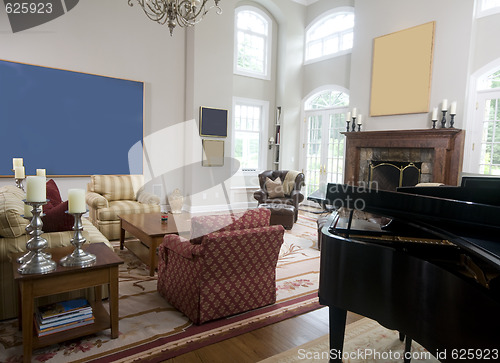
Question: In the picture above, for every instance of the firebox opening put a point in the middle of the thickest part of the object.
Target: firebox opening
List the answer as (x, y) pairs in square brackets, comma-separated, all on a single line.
[(390, 175)]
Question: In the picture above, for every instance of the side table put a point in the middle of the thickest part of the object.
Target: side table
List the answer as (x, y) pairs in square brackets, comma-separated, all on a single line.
[(64, 279)]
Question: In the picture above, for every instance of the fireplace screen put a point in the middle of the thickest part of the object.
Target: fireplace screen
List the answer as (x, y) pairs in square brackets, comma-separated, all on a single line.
[(392, 174)]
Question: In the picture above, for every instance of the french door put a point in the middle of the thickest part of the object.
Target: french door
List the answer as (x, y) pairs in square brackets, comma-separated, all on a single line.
[(323, 148)]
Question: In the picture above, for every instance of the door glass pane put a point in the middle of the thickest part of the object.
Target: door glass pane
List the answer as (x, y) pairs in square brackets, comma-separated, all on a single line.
[(313, 153)]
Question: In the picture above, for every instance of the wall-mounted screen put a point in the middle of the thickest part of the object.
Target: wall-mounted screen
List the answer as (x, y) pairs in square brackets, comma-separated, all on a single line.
[(213, 122), (69, 123)]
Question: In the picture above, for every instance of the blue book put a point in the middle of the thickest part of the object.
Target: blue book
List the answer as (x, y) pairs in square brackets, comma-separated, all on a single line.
[(62, 307)]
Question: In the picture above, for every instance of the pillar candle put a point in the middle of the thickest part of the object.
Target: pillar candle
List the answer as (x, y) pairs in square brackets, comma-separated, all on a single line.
[(453, 108), (348, 118), (360, 119), (17, 162), (354, 112), (40, 172), (445, 105), (35, 189), (19, 172), (435, 113), (76, 201)]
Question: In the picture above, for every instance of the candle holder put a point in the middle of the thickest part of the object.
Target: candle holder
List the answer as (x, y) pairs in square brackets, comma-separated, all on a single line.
[(78, 257), (434, 123), (19, 182), (348, 128), (359, 127), (452, 120), (443, 120), (354, 124), (38, 262), (30, 254)]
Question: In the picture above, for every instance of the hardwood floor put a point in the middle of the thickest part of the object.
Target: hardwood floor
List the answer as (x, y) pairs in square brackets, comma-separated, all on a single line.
[(265, 342)]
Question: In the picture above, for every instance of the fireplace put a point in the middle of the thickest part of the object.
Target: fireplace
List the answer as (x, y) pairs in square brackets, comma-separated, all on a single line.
[(439, 152), (392, 174)]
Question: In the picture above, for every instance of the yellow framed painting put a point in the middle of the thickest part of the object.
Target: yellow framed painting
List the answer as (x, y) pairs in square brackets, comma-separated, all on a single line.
[(402, 71)]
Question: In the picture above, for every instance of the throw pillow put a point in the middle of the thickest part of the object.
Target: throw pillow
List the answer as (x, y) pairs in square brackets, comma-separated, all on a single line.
[(57, 220), (53, 195), (274, 188)]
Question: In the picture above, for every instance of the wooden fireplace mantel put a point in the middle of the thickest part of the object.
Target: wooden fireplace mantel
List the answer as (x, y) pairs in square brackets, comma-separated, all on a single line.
[(447, 144)]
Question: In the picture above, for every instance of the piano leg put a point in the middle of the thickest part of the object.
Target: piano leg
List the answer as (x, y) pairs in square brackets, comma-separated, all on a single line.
[(401, 337), (407, 356), (337, 330)]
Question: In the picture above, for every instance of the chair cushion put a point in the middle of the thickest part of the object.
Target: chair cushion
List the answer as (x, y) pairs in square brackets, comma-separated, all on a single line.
[(124, 207), (11, 209), (274, 188), (117, 187)]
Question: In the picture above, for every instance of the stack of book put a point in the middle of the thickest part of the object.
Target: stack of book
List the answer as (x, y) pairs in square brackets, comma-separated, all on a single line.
[(61, 316)]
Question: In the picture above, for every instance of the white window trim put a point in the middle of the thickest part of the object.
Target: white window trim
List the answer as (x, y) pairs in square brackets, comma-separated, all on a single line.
[(267, 56), (341, 9), (482, 13), (264, 132)]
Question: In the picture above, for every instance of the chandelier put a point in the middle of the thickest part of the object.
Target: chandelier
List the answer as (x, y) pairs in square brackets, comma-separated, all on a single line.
[(176, 12)]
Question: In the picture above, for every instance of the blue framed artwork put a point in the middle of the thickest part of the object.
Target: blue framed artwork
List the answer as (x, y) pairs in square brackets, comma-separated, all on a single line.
[(213, 122)]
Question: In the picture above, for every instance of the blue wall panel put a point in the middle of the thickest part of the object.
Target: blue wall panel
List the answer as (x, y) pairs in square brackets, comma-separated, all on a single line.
[(67, 122)]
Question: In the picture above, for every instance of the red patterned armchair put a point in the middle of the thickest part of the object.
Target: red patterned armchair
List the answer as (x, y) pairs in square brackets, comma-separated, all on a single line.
[(228, 266)]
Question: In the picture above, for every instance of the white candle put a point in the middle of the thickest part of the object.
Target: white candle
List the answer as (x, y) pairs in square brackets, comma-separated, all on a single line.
[(348, 118), (17, 162), (35, 189), (40, 172), (27, 210), (445, 105), (354, 112), (453, 108), (435, 113), (19, 172), (76, 201), (360, 119)]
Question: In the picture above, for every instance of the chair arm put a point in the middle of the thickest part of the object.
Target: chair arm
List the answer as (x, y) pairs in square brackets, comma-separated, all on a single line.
[(180, 246), (147, 198), (96, 201), (297, 196), (260, 195)]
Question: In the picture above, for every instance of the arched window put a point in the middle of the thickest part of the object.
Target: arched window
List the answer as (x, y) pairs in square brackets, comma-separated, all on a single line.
[(252, 42), (323, 151), (330, 35)]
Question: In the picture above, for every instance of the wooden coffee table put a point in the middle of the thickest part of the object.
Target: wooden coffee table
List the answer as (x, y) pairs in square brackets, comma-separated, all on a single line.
[(65, 279), (150, 230)]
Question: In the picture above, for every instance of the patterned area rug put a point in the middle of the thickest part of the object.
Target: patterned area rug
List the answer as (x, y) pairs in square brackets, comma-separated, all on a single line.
[(151, 330), (365, 341)]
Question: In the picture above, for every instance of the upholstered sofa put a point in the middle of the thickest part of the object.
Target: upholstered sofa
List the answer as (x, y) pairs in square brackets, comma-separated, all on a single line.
[(286, 190), (109, 196), (227, 267), (13, 240)]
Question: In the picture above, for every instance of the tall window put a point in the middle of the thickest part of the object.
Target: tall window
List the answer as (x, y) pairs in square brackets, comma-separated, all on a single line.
[(330, 35), (252, 42), (249, 133), (488, 7)]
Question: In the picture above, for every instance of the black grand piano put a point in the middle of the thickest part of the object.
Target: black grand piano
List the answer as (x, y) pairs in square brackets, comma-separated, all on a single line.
[(421, 260)]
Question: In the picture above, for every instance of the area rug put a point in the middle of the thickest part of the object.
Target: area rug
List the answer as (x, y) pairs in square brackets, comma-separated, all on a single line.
[(150, 330), (365, 340)]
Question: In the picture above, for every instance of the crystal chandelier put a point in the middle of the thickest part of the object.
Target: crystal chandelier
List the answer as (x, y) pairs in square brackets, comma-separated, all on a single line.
[(176, 12)]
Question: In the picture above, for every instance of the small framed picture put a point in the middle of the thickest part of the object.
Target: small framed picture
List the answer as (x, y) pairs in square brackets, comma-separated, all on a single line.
[(213, 153), (213, 122)]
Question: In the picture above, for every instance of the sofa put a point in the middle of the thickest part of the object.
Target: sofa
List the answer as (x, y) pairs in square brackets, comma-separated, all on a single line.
[(227, 267), (109, 196), (13, 240), (281, 187)]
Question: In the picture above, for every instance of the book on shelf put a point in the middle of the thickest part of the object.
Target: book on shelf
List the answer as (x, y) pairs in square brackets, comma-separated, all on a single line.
[(61, 308), (42, 324), (60, 328)]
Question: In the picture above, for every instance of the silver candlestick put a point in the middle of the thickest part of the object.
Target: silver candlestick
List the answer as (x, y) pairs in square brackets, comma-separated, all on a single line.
[(79, 257), (38, 263), (30, 254), (19, 182)]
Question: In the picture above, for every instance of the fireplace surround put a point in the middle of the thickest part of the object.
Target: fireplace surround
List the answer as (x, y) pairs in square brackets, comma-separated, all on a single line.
[(439, 150)]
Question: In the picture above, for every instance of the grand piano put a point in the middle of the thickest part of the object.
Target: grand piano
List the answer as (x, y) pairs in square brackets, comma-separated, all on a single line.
[(421, 260)]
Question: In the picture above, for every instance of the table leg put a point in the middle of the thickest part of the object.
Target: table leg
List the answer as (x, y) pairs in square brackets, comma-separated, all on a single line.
[(27, 303), (113, 301), (122, 235), (153, 246)]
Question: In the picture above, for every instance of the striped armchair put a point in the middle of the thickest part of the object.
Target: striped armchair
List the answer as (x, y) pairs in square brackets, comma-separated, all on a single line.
[(109, 196), (221, 273)]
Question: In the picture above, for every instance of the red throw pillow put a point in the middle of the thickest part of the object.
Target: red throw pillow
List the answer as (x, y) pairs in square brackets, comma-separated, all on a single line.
[(53, 195), (56, 219)]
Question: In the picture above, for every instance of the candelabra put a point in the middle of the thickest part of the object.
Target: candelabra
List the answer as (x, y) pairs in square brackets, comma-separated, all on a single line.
[(78, 257), (354, 123), (38, 262), (452, 120), (348, 128), (443, 120)]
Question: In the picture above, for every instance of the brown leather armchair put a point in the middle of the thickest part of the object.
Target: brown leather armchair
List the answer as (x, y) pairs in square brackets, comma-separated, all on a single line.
[(293, 198)]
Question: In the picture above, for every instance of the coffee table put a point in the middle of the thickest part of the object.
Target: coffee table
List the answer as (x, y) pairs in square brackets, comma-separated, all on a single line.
[(64, 279), (150, 230)]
